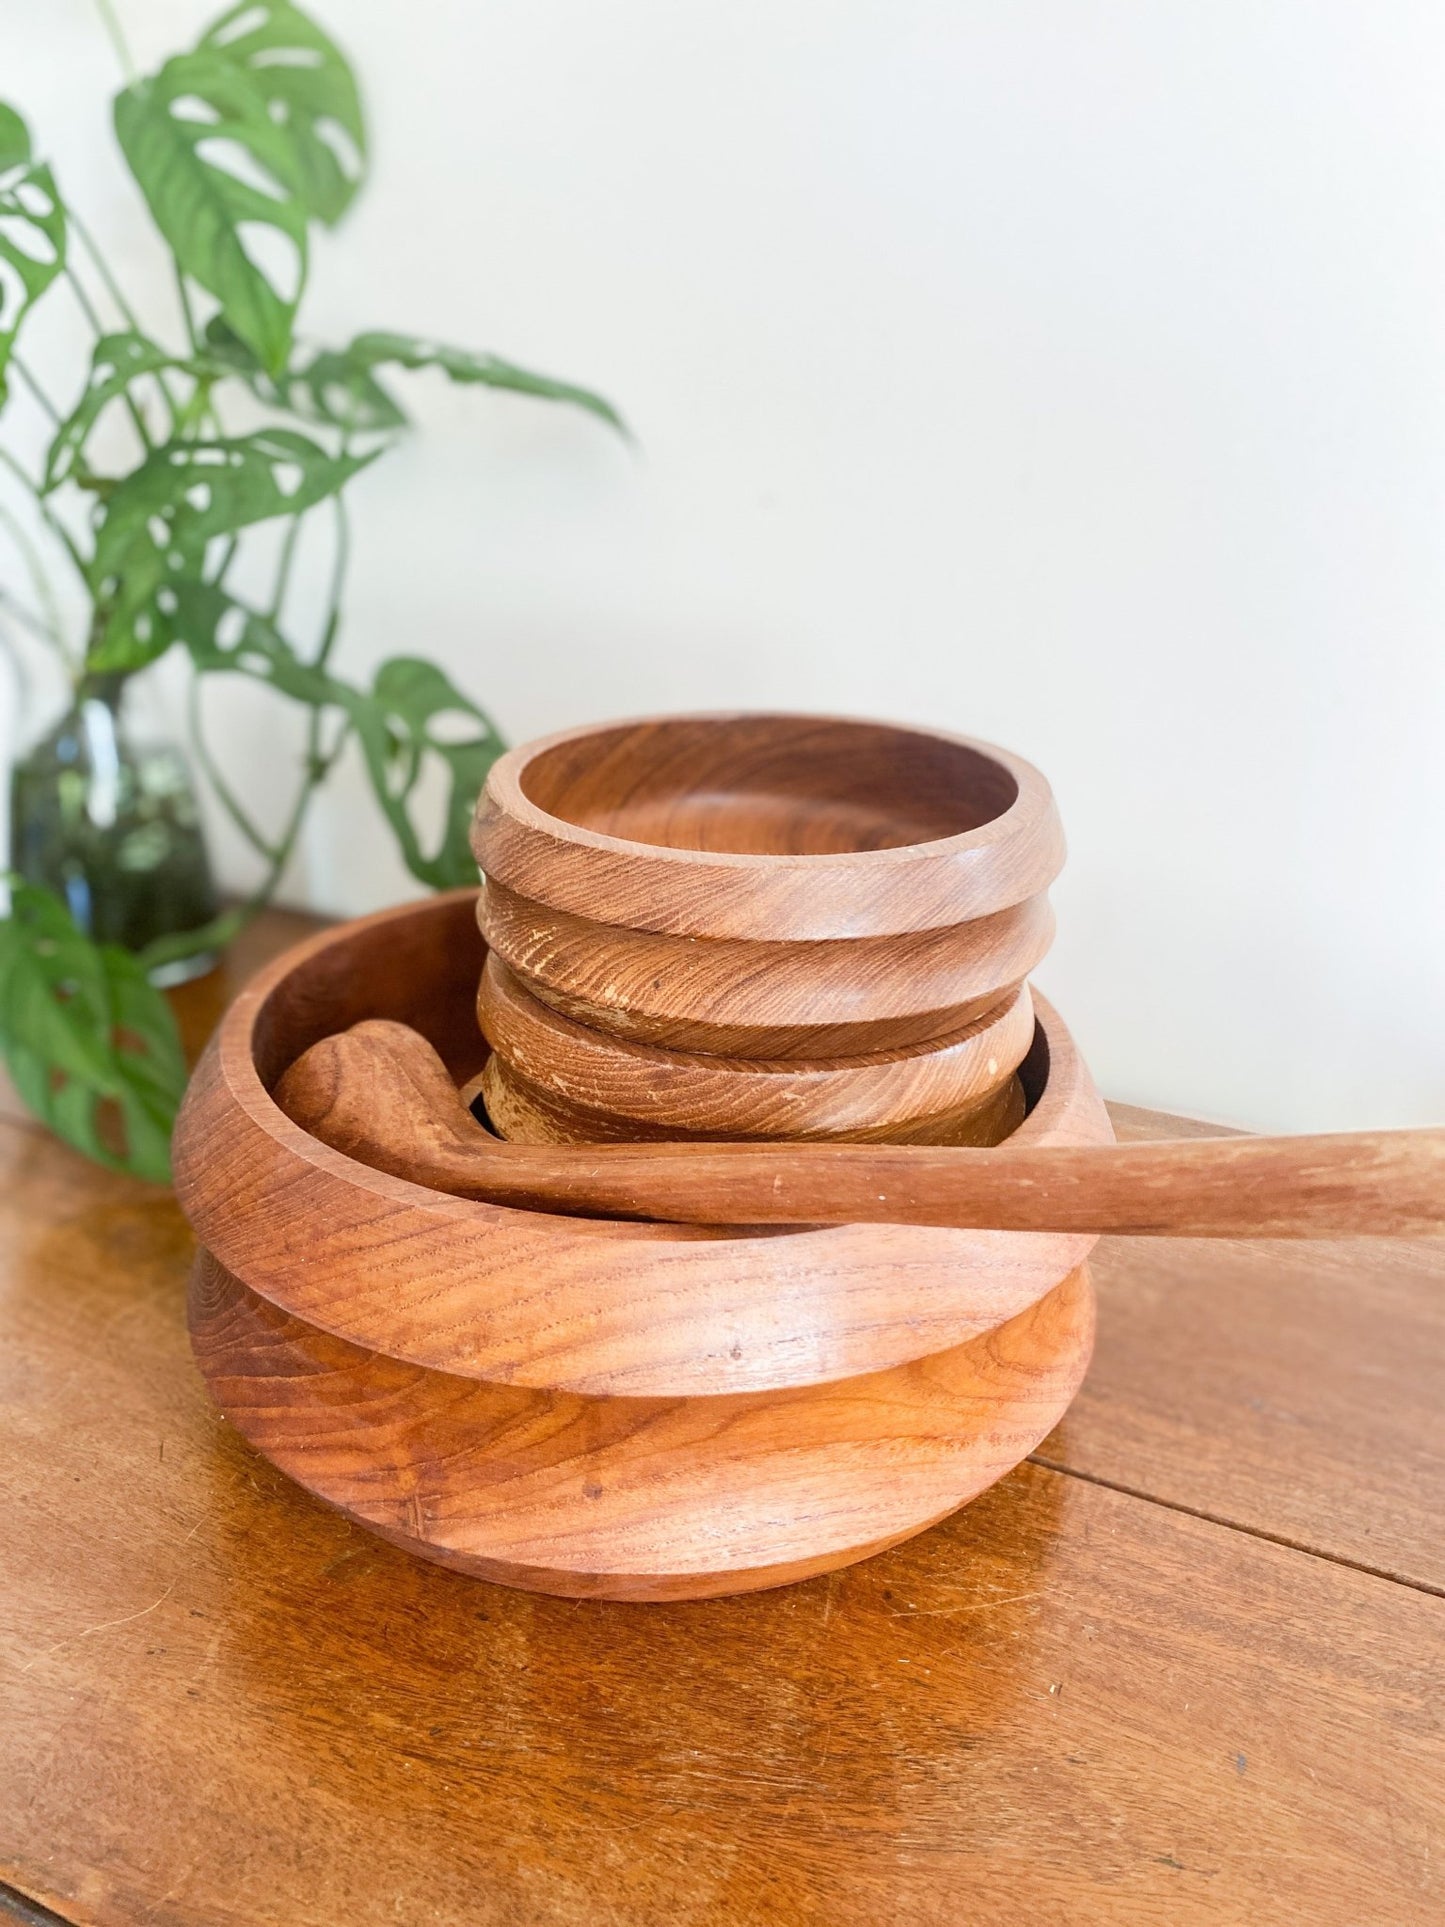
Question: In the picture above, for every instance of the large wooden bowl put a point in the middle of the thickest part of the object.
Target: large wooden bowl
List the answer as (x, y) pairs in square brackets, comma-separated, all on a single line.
[(591, 1406), (630, 1498), (767, 886), (598, 1306)]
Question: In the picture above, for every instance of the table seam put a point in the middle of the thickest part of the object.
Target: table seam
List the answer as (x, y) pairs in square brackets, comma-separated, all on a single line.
[(1238, 1525), (17, 1905)]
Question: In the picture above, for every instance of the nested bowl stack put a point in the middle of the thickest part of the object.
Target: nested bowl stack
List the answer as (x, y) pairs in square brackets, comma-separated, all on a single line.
[(738, 927), (641, 1410)]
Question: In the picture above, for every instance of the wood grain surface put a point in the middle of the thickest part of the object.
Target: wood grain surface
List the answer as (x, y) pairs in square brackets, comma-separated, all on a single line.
[(221, 1704), (527, 1113), (922, 1095), (762, 999), (640, 1499), (1327, 1360), (774, 828)]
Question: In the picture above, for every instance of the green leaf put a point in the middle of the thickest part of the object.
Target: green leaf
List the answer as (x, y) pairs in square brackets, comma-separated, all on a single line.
[(372, 351), (329, 388), (82, 1028), (339, 385), (332, 388), (224, 636), (32, 232), (118, 360), (222, 180), (223, 344), (310, 93), (14, 139), (399, 727), (154, 527)]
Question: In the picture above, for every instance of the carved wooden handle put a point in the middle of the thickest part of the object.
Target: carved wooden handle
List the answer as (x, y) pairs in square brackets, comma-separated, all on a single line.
[(380, 1093)]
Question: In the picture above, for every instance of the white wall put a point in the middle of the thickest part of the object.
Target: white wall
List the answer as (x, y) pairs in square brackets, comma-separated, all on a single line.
[(1066, 372)]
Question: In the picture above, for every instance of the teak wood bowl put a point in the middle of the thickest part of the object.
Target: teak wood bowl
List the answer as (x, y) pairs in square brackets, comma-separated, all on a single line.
[(769, 886), (527, 1113), (629, 1498), (595, 1406), (955, 1090), (753, 998)]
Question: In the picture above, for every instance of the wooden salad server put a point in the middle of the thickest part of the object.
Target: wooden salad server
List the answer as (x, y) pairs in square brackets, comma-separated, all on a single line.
[(379, 1093)]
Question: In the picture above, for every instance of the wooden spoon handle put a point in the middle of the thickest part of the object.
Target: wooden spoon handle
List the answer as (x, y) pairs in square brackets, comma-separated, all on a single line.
[(1359, 1184), (380, 1093)]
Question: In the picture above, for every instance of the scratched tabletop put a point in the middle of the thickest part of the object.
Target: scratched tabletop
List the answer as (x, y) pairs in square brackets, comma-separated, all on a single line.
[(1185, 1664)]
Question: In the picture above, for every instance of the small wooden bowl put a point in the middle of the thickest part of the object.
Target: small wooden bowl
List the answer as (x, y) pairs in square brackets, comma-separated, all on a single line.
[(737, 997), (527, 1114), (795, 828), (612, 1088)]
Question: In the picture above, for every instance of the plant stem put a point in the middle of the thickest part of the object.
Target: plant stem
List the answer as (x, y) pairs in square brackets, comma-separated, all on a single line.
[(17, 611), (98, 261), (34, 386), (224, 793), (340, 563), (283, 571), (232, 544), (117, 295), (187, 316), (88, 309), (51, 626), (86, 305), (113, 27), (208, 413), (51, 520), (319, 764), (228, 926)]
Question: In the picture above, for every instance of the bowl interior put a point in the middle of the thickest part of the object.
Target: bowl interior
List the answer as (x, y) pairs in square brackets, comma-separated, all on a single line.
[(418, 964), (768, 785)]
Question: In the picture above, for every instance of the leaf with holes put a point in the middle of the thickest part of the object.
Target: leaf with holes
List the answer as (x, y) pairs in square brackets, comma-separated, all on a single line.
[(329, 388), (154, 527), (310, 93), (414, 713), (333, 388), (223, 635), (223, 183), (91, 1045), (32, 232), (118, 360), (411, 714), (371, 351)]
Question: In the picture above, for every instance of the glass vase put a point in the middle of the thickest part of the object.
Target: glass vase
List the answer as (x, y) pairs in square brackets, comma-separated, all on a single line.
[(103, 812)]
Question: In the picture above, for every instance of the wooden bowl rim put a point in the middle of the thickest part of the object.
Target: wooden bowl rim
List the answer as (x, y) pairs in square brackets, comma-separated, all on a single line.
[(654, 886)]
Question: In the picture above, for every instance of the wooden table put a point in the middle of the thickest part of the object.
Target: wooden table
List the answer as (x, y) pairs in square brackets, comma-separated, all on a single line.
[(1185, 1665)]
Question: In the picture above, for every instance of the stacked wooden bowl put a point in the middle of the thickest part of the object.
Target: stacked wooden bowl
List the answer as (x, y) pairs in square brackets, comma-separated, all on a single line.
[(742, 927)]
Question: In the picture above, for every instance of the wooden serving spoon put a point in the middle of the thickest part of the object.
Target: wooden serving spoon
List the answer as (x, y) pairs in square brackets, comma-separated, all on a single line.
[(380, 1093)]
